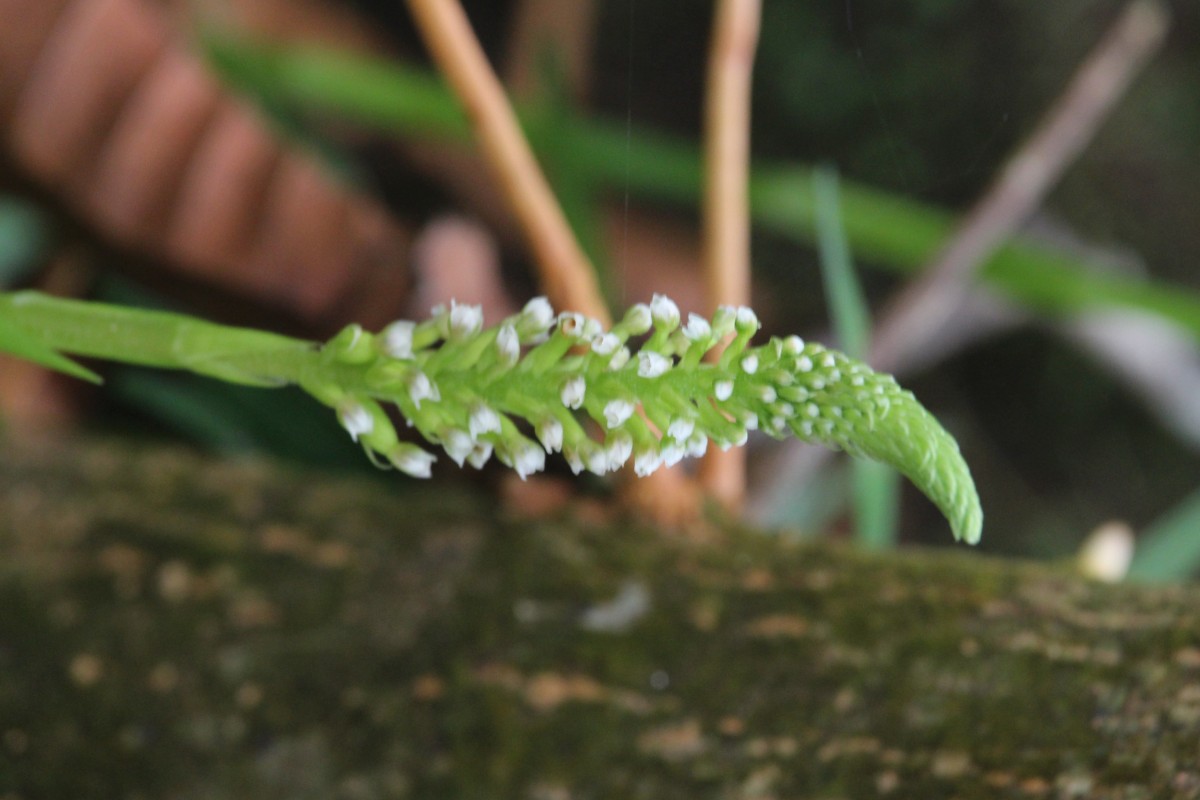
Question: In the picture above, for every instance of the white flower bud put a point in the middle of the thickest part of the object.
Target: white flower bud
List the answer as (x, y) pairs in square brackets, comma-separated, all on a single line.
[(618, 447), (664, 311), (750, 363), (652, 365), (536, 318), (804, 364), (458, 444), (672, 454), (508, 345), (550, 433), (619, 359), (606, 344), (396, 340), (528, 459), (681, 429), (592, 328), (768, 394), (574, 461), (465, 320), (356, 419), (421, 388), (793, 345), (646, 462), (747, 320), (595, 458), (412, 460), (723, 390), (572, 324), (638, 319), (697, 328), (484, 419), (617, 413), (697, 445), (723, 320), (573, 392)]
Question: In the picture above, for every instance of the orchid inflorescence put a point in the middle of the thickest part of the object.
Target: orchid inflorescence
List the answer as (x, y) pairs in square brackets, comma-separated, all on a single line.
[(541, 383)]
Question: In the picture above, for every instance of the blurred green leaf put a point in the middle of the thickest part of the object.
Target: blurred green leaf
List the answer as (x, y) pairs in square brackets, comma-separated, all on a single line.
[(1169, 550), (893, 231), (17, 342)]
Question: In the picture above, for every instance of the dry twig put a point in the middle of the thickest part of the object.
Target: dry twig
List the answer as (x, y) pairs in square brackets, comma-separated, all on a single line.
[(918, 314), (726, 197), (567, 277)]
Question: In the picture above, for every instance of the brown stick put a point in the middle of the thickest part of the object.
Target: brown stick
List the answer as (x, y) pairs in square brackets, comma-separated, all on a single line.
[(567, 276), (917, 315), (726, 198)]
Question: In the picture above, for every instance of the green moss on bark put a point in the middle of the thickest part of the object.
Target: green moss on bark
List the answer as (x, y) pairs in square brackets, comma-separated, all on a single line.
[(178, 626)]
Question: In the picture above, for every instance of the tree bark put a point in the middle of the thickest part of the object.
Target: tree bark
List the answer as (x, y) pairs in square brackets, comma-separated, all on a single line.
[(181, 626)]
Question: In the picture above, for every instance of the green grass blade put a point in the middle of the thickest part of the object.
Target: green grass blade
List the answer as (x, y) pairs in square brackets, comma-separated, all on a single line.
[(16, 342)]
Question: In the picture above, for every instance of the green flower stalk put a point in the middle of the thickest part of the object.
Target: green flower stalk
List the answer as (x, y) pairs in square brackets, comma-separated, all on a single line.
[(541, 383)]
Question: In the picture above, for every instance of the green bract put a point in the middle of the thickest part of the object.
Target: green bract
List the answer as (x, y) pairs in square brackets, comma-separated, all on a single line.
[(542, 383)]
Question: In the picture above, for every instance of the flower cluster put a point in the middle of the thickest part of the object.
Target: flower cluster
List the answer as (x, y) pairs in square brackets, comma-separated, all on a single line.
[(541, 383)]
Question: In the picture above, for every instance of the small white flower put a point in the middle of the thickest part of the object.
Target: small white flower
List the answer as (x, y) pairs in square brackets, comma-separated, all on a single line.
[(652, 365), (750, 421), (828, 360), (356, 419), (508, 345), (646, 462), (396, 340), (804, 364), (697, 445), (618, 447), (664, 311), (536, 317), (806, 429), (681, 429), (550, 433), (412, 460), (697, 328), (605, 345), (672, 454), (619, 359), (465, 320), (723, 390), (484, 419), (458, 444), (786, 409), (617, 412), (638, 319), (421, 388), (723, 320), (768, 394), (812, 411), (592, 328), (747, 320), (817, 383), (778, 424), (573, 392), (750, 363), (572, 324), (528, 459), (595, 458), (480, 454)]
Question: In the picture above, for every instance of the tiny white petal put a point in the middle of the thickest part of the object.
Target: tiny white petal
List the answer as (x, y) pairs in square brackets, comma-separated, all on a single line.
[(857, 380), (697, 445), (812, 411), (793, 345), (828, 360), (550, 433), (573, 392), (723, 390), (697, 328), (458, 444), (484, 419), (664, 311), (573, 460), (778, 424), (508, 345), (681, 429), (421, 388), (750, 363), (396, 339), (750, 420), (652, 365), (537, 316), (595, 458), (806, 428), (356, 419), (572, 324), (835, 375), (480, 454), (804, 364), (786, 409), (619, 359), (617, 412), (605, 345), (768, 394), (818, 383)]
